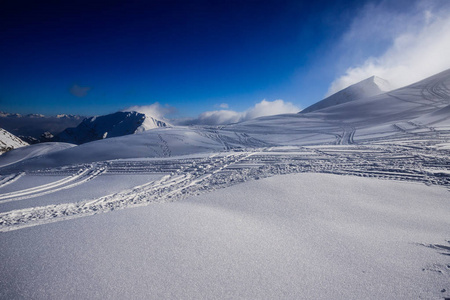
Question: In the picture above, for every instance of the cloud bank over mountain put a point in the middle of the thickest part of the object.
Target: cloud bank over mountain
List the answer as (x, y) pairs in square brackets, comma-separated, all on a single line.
[(155, 110), (418, 43), (263, 108)]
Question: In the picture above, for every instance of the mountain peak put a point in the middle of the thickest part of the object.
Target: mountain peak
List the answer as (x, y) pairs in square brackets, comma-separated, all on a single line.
[(383, 84), (112, 125), (368, 87)]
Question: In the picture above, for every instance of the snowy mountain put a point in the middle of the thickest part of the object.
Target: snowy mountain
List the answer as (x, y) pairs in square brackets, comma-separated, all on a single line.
[(388, 115), (227, 224), (108, 126), (9, 141), (385, 115), (35, 128), (400, 105), (369, 87)]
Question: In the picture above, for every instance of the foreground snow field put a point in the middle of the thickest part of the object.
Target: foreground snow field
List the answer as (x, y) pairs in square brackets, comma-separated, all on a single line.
[(302, 236)]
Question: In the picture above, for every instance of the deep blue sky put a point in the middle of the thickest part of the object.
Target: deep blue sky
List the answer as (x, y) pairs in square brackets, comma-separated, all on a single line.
[(192, 55)]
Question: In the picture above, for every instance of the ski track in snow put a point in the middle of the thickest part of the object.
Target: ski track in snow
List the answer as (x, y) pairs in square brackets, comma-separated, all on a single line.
[(348, 132), (10, 179), (81, 177), (409, 160)]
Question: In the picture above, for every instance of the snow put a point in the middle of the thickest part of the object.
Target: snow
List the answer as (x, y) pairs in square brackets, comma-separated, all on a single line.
[(32, 151), (393, 115), (289, 237), (108, 126), (366, 88), (51, 190), (346, 202), (151, 123), (9, 141)]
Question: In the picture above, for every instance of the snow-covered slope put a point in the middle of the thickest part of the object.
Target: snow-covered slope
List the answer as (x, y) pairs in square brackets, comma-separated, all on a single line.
[(32, 151), (439, 118), (369, 87), (363, 120), (9, 141), (112, 125)]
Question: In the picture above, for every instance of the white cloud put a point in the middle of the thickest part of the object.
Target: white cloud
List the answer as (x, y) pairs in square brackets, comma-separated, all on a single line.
[(418, 43), (79, 91), (218, 117), (155, 110), (268, 108), (263, 108), (224, 105)]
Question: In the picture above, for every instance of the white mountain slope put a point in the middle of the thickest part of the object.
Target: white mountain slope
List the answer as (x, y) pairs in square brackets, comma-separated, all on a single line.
[(359, 121), (112, 125), (366, 88), (9, 141), (222, 228), (409, 102)]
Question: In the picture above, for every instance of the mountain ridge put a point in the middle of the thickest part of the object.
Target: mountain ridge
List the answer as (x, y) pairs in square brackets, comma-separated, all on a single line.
[(36, 128), (108, 126), (368, 87)]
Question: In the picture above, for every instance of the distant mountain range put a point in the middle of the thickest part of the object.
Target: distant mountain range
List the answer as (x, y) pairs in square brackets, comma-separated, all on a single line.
[(35, 128)]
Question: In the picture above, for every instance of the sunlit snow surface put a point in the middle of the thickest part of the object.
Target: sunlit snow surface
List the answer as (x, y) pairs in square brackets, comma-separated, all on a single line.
[(227, 226), (303, 236)]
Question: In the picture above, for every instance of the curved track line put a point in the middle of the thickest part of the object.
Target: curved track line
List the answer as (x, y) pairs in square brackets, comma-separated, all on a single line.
[(10, 179), (348, 133), (44, 186), (59, 185)]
